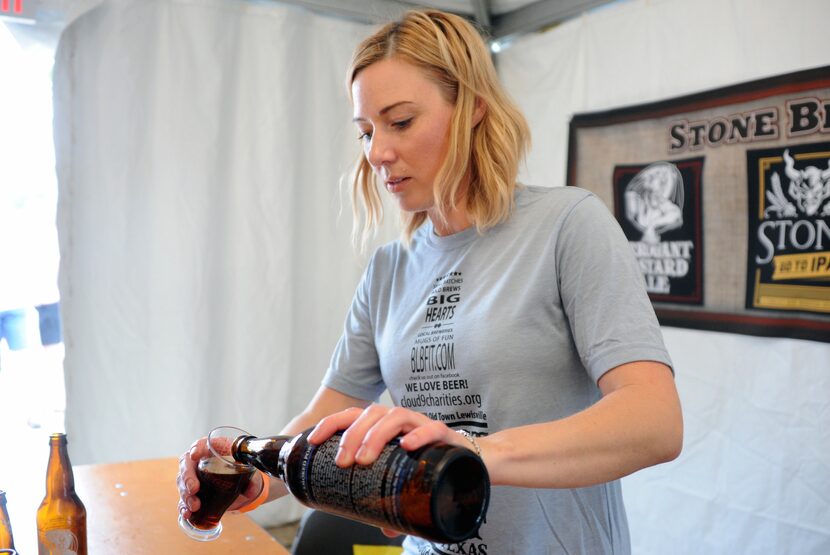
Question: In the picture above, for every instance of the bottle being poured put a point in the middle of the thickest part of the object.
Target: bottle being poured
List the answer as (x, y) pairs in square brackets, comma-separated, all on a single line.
[(439, 492)]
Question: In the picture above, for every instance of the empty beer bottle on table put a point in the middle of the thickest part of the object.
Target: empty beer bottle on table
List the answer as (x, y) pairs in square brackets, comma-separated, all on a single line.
[(61, 517), (6, 537), (439, 492)]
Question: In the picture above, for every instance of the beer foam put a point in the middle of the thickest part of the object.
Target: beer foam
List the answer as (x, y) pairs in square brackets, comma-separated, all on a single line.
[(218, 466)]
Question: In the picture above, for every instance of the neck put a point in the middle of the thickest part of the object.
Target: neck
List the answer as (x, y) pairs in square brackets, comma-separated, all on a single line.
[(59, 477), (457, 219)]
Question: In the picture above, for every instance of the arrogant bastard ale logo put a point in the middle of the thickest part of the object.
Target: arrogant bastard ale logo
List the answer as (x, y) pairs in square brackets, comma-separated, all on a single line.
[(788, 264), (658, 206)]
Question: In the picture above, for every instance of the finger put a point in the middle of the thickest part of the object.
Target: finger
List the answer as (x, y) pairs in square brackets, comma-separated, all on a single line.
[(431, 432), (191, 458), (192, 503), (326, 427), (180, 484), (197, 449), (354, 437), (252, 491), (255, 485), (187, 481), (389, 533), (392, 424), (183, 510)]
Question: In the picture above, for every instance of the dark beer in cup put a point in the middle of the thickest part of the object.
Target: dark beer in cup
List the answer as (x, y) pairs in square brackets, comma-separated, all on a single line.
[(219, 485), (221, 481)]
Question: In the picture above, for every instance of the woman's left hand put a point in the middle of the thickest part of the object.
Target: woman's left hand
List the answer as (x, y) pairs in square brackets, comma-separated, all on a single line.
[(368, 430)]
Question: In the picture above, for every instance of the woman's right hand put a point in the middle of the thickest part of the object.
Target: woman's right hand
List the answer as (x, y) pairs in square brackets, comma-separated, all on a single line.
[(188, 482)]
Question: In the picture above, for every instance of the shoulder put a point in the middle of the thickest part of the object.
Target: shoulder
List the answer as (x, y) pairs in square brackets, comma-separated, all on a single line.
[(530, 193), (386, 257), (554, 203), (567, 218), (550, 197)]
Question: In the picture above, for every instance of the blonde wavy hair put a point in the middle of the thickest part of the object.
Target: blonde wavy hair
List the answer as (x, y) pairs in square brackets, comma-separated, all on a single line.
[(452, 53)]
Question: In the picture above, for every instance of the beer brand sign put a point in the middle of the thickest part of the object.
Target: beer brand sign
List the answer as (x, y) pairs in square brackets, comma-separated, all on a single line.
[(789, 215), (658, 206), (724, 197)]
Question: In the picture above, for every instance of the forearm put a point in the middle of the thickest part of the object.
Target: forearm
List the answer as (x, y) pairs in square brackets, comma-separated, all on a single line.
[(633, 427)]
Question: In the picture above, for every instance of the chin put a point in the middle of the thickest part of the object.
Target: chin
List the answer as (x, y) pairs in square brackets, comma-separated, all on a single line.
[(408, 204), (413, 210)]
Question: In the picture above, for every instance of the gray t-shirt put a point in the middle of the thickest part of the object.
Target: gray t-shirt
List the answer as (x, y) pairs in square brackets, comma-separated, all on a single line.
[(510, 327)]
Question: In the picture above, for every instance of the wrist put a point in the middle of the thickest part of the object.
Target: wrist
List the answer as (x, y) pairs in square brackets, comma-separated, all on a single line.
[(472, 441), (262, 497)]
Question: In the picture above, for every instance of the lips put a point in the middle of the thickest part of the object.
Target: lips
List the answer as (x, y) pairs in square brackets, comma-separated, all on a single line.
[(394, 184)]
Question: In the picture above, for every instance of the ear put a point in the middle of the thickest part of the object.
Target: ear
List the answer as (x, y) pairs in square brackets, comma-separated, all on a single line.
[(479, 111)]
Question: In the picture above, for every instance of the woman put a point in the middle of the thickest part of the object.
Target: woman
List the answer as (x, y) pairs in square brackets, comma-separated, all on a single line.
[(516, 314)]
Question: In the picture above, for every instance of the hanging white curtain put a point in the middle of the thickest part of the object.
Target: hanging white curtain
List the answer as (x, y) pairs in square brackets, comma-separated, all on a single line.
[(206, 262), (754, 476)]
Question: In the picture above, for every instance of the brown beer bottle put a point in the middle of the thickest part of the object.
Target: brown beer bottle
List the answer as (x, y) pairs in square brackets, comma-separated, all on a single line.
[(439, 492), (6, 538), (61, 517)]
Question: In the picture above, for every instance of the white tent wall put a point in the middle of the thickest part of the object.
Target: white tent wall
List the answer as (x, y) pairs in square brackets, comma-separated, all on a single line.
[(206, 265), (754, 476)]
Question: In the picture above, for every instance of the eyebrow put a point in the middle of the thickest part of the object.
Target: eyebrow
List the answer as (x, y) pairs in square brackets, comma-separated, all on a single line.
[(387, 108)]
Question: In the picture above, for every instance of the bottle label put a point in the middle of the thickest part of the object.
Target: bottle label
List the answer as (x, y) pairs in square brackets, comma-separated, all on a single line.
[(372, 493), (57, 541)]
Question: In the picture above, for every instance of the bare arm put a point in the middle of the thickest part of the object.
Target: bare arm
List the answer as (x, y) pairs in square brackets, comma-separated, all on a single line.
[(636, 424)]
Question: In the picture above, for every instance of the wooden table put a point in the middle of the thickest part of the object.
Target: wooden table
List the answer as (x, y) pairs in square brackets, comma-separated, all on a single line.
[(131, 509)]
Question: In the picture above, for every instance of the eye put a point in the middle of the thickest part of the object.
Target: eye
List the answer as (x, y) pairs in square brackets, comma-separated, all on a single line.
[(364, 136), (402, 124)]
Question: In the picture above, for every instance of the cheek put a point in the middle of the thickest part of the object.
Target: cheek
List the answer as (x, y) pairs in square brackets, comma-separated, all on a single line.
[(433, 146)]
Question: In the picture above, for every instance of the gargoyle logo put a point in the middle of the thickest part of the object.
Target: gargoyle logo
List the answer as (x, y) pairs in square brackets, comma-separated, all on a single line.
[(809, 188)]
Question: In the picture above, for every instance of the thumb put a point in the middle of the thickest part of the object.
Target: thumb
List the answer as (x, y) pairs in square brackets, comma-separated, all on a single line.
[(250, 493), (389, 533)]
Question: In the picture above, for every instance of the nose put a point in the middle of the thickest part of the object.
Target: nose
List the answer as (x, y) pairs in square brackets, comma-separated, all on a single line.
[(380, 151)]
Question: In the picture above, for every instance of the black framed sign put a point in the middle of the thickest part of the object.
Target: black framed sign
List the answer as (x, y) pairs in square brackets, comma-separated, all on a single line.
[(724, 197), (788, 262), (658, 206)]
